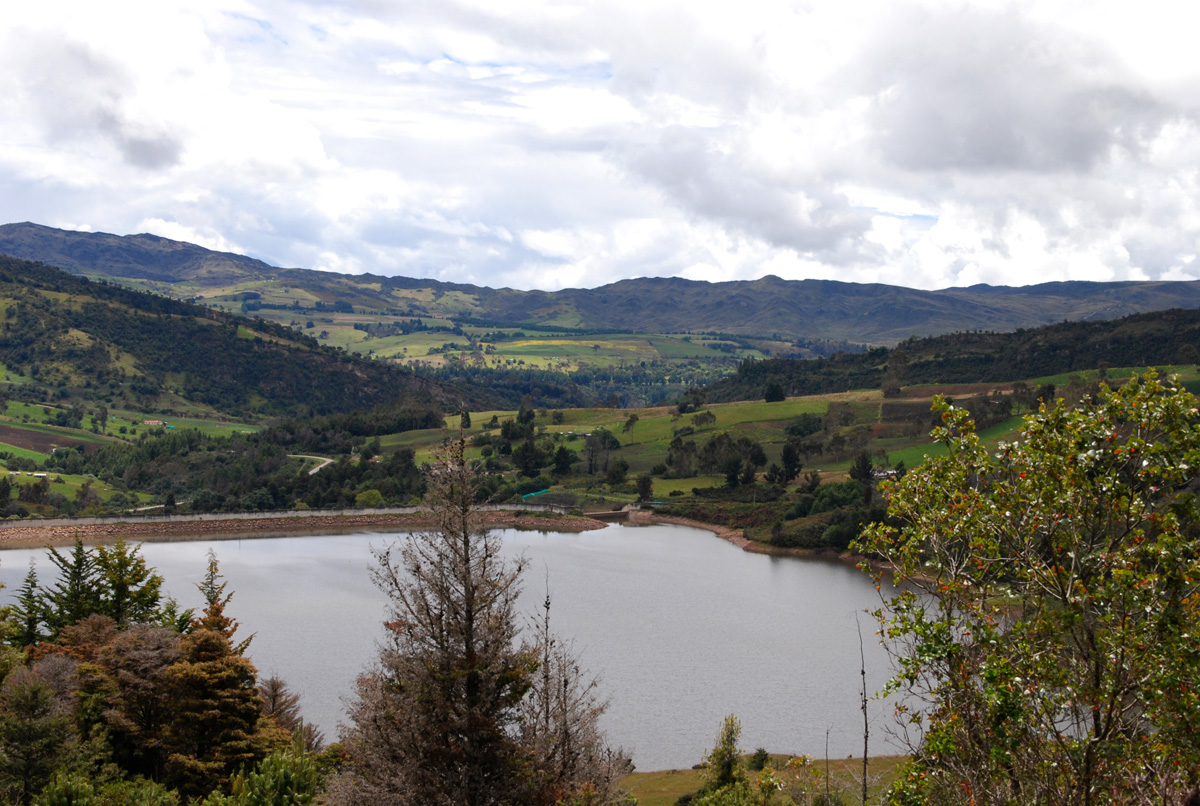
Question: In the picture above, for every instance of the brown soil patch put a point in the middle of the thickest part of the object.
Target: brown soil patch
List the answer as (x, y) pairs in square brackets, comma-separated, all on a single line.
[(33, 535), (40, 441)]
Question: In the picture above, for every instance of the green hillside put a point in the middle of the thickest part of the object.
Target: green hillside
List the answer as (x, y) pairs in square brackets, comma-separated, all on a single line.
[(70, 339), (1160, 338)]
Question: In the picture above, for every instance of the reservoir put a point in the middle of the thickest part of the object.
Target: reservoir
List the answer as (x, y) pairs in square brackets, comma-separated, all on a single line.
[(681, 627)]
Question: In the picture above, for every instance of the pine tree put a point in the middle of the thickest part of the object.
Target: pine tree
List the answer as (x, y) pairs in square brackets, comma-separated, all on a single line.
[(34, 735), (140, 698), (129, 589), (213, 617), (76, 595), (215, 713), (29, 612)]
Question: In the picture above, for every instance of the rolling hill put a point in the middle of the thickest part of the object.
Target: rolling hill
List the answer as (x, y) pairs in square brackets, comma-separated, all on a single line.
[(66, 337), (792, 309), (1148, 339)]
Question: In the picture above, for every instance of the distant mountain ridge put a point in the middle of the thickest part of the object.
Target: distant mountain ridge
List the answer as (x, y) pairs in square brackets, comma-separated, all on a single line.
[(793, 309)]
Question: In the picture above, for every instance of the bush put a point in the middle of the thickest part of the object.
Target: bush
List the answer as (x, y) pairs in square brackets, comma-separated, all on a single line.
[(802, 507), (804, 425), (836, 495)]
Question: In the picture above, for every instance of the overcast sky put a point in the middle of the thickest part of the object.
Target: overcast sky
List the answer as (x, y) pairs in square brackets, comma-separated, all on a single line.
[(572, 144)]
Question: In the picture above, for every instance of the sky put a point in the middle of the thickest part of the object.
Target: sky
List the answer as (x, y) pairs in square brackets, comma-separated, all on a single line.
[(573, 144)]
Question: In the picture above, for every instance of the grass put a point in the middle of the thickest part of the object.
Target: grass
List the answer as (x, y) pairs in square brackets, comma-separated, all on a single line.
[(536, 349), (665, 787), (23, 453)]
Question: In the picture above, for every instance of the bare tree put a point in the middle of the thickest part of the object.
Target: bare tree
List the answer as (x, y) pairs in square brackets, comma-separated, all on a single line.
[(283, 705), (560, 727), (435, 721), (459, 709)]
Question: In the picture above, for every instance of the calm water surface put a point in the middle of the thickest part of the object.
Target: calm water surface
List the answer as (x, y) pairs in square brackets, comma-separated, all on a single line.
[(683, 628)]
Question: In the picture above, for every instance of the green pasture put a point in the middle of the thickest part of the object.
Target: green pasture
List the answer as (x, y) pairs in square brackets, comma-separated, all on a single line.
[(214, 428), (12, 377), (536, 349), (68, 485), (23, 453), (18, 409)]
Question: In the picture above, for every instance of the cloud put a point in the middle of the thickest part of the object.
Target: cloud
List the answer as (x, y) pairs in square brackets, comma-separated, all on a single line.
[(718, 186), (983, 91), (77, 96), (542, 145)]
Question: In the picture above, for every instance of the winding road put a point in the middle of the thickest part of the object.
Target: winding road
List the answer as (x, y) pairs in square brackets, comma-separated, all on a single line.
[(321, 461)]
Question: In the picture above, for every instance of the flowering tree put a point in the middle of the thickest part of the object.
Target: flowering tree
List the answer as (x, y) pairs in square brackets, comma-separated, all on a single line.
[(1048, 632)]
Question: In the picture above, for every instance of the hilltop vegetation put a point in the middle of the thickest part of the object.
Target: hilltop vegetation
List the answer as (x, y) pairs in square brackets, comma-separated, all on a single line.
[(66, 337), (1160, 338)]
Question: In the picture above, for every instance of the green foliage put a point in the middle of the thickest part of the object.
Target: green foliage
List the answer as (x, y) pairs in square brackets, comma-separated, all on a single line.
[(563, 459), (978, 357), (836, 495), (101, 703), (738, 793), (138, 792), (28, 615), (128, 588), (112, 581), (722, 764), (287, 777), (645, 487), (1043, 585), (254, 471), (617, 472), (369, 498), (76, 594), (34, 736), (67, 790)]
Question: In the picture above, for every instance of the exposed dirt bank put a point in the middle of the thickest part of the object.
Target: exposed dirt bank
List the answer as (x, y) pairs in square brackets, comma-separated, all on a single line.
[(738, 538), (33, 535)]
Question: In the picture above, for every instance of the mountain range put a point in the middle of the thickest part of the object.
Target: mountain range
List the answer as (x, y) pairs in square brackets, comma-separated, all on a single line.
[(871, 314)]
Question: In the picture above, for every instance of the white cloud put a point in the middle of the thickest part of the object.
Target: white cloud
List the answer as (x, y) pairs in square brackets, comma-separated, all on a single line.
[(536, 144), (178, 232)]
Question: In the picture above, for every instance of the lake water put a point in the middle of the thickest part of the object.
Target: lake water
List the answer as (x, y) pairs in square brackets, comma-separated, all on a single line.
[(682, 628)]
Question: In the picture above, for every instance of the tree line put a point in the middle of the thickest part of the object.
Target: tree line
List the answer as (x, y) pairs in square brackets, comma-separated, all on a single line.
[(1159, 338), (110, 694)]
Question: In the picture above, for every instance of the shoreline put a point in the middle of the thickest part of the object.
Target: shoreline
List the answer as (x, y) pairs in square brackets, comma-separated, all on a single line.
[(738, 538), (38, 536), (35, 536)]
